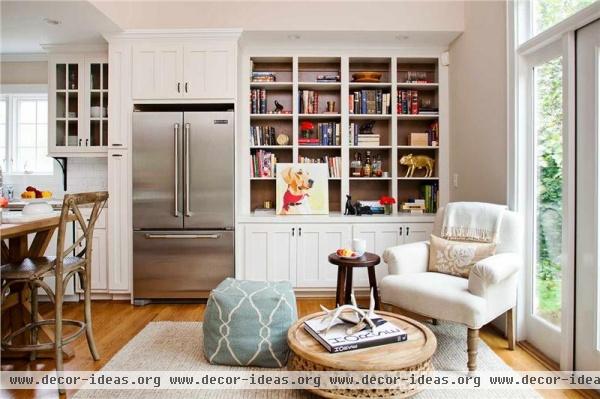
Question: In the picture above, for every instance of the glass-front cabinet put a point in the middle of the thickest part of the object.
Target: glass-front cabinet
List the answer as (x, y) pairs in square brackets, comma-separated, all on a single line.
[(78, 104)]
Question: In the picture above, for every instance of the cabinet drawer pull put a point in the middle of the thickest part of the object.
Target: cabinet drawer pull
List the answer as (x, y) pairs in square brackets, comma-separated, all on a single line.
[(80, 142), (400, 230), (186, 86), (407, 230), (178, 87), (117, 145), (300, 231), (87, 142), (293, 230), (117, 155)]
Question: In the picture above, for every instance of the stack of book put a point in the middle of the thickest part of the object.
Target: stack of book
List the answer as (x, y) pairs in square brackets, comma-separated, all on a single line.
[(408, 102), (374, 205), (338, 340), (328, 78), (369, 102), (328, 133), (334, 164), (258, 101), (414, 206), (264, 77), (429, 193), (262, 135), (262, 164)]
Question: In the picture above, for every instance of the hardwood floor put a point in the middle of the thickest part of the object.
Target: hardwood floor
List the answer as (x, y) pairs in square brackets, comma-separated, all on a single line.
[(115, 323)]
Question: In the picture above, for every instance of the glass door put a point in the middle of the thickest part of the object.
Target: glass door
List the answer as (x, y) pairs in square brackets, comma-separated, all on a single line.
[(587, 281), (67, 105), (98, 104), (546, 201)]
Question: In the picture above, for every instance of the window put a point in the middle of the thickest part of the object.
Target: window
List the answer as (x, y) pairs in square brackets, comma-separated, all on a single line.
[(24, 134), (548, 142), (547, 13)]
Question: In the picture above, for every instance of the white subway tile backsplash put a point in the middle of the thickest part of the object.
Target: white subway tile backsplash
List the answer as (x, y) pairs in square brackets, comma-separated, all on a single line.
[(83, 174)]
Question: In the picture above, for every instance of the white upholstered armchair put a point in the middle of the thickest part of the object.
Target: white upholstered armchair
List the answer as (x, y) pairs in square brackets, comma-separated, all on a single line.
[(489, 291)]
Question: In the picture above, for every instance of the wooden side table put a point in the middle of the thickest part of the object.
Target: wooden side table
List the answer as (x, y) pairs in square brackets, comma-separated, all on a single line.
[(344, 279)]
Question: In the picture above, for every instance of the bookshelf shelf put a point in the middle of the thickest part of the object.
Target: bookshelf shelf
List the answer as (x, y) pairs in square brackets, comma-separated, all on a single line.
[(319, 116), (370, 116), (270, 116), (412, 117), (294, 84)]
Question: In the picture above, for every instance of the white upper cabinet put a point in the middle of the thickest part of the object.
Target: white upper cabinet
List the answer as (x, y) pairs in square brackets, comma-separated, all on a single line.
[(198, 69)]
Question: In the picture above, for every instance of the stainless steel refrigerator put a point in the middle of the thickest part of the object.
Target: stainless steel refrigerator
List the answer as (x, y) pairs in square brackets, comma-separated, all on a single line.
[(183, 203)]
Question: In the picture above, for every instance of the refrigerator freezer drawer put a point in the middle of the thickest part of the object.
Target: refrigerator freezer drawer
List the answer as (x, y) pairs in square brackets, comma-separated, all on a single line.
[(180, 264)]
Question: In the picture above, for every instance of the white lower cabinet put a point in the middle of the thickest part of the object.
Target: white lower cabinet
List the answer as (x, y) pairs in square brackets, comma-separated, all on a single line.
[(99, 271), (299, 252), (119, 222), (314, 244), (270, 252)]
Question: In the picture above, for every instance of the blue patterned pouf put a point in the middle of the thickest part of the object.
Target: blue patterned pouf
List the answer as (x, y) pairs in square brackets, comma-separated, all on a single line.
[(246, 323)]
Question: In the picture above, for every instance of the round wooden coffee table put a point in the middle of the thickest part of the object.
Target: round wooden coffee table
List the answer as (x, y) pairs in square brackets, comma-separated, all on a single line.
[(344, 279), (412, 355)]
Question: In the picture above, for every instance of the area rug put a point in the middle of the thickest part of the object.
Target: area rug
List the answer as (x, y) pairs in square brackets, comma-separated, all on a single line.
[(178, 346)]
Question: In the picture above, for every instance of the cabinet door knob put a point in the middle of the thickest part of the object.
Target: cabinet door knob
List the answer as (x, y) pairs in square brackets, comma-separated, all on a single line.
[(178, 87), (401, 230), (293, 230)]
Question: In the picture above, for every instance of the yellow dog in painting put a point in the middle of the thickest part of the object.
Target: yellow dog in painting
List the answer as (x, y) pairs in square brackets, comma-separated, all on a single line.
[(299, 183)]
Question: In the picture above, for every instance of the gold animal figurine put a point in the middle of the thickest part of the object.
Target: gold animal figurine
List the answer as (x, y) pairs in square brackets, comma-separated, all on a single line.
[(417, 162)]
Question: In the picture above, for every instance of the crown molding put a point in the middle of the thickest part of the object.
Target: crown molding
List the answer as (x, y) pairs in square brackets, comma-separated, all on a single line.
[(23, 57), (225, 33), (75, 48)]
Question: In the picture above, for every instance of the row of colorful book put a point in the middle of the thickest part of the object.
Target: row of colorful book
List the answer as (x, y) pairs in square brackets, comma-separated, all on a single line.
[(263, 76), (258, 101), (334, 164), (429, 193), (263, 135), (328, 133), (308, 102), (262, 164), (370, 102)]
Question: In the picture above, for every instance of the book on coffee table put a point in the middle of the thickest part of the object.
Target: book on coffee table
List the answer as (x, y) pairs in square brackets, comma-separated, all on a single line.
[(337, 340)]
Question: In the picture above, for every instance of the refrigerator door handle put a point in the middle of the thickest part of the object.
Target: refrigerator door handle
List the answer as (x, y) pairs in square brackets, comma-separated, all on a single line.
[(176, 179), (183, 236), (188, 213)]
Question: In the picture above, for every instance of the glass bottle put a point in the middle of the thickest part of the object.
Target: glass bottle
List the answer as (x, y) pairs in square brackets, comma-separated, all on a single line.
[(377, 166), (367, 167), (356, 165)]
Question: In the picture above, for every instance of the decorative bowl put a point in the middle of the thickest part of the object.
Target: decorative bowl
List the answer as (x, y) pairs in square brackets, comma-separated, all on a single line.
[(37, 206), (367, 77)]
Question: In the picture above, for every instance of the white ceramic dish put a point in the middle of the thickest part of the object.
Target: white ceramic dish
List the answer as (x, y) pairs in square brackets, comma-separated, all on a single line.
[(350, 257), (38, 206)]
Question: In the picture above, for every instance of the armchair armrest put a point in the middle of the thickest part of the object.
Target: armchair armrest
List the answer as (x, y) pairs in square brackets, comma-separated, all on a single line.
[(407, 258), (493, 270)]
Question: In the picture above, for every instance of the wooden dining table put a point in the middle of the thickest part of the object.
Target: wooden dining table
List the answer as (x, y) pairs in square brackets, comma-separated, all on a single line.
[(16, 307)]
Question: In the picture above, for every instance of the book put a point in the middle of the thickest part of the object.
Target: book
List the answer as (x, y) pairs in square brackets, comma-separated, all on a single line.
[(336, 340)]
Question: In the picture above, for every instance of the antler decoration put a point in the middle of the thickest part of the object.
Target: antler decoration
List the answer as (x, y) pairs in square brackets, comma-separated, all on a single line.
[(364, 318)]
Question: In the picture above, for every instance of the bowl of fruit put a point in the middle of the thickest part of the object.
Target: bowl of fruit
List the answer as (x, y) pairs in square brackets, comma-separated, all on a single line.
[(346, 253), (37, 201)]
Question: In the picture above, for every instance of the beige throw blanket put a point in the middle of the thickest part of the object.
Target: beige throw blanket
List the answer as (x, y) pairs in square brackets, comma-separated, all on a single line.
[(472, 221)]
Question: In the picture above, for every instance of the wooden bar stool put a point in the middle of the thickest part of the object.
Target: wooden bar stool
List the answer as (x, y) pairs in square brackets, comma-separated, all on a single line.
[(344, 279)]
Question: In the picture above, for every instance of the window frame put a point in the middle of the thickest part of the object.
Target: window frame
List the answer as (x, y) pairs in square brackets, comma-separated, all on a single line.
[(13, 94)]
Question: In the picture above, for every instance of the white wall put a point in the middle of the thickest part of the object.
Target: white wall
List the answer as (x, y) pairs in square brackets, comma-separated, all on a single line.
[(285, 15), (35, 72), (478, 105)]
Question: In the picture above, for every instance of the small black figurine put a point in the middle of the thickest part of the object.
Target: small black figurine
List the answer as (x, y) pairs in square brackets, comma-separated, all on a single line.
[(367, 127), (278, 107), (362, 210), (349, 208)]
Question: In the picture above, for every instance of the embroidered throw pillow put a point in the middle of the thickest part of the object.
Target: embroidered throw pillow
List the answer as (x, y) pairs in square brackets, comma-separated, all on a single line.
[(456, 257)]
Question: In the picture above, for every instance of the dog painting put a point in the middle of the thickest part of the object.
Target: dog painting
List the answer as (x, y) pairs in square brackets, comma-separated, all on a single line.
[(302, 189)]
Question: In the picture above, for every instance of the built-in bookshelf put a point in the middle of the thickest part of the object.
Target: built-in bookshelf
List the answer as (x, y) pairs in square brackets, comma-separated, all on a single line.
[(323, 109)]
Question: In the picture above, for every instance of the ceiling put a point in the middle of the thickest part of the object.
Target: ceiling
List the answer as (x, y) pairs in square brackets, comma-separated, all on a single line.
[(23, 29)]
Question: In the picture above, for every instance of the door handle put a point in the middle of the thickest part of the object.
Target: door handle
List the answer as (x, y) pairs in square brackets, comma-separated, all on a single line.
[(80, 142), (407, 230), (183, 236), (176, 180), (299, 231), (400, 230), (293, 230), (186, 171), (178, 87), (186, 86), (86, 142)]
